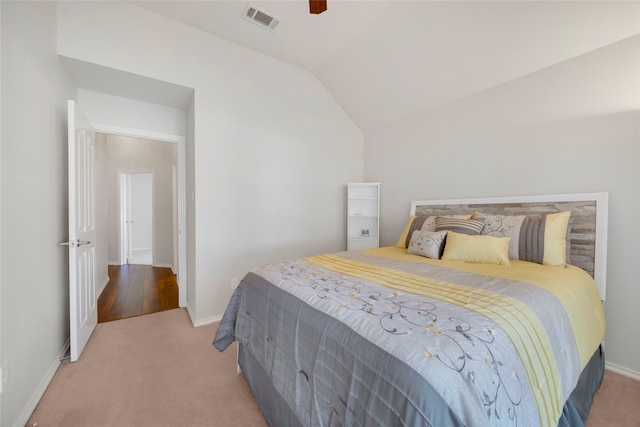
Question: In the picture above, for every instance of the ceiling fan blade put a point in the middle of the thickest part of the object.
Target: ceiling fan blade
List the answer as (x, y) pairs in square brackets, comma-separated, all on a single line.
[(317, 6)]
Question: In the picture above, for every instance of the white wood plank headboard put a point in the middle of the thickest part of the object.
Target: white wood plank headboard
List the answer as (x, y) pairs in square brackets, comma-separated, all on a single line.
[(588, 233)]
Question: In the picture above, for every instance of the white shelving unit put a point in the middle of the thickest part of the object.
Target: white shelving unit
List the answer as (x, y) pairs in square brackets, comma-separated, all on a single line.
[(363, 215)]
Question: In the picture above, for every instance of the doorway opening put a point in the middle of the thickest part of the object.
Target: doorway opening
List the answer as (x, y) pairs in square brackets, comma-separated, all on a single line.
[(140, 217)]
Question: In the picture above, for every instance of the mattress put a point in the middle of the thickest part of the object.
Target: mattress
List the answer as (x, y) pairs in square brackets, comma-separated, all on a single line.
[(381, 337)]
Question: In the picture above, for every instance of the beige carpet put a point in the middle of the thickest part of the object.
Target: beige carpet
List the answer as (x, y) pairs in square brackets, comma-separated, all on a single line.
[(152, 370), (617, 402), (157, 370)]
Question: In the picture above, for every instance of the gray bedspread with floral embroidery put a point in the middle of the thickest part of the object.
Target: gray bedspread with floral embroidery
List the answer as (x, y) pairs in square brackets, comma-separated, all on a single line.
[(342, 350)]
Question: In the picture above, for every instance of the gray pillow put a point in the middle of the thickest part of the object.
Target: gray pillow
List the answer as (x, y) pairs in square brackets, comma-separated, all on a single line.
[(472, 227)]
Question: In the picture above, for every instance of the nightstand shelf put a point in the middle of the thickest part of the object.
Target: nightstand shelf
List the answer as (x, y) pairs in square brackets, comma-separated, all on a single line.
[(363, 216)]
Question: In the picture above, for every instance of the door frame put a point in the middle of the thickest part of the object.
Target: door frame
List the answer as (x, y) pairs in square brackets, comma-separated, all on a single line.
[(125, 236), (181, 274)]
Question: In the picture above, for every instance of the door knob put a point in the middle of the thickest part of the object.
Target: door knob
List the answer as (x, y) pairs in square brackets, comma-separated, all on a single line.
[(75, 243)]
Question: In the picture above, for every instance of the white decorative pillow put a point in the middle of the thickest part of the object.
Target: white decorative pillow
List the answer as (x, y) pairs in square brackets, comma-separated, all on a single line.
[(427, 243)]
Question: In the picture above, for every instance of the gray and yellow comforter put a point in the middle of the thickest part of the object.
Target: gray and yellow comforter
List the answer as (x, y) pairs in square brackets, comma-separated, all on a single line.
[(379, 337)]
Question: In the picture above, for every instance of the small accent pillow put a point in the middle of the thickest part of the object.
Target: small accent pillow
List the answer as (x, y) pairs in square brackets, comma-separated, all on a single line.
[(423, 223), (427, 243), (543, 239), (476, 249), (472, 227)]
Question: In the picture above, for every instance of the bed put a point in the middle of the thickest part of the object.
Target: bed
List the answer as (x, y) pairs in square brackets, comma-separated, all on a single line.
[(487, 312)]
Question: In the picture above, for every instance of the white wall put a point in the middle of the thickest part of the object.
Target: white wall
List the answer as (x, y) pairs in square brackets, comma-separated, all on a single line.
[(126, 154), (569, 128), (35, 307), (115, 114), (272, 148)]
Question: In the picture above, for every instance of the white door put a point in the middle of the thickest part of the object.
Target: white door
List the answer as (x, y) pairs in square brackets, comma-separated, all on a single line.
[(82, 260), (139, 217)]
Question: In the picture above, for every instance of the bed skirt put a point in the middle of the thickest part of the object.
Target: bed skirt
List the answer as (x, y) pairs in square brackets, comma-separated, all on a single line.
[(277, 412)]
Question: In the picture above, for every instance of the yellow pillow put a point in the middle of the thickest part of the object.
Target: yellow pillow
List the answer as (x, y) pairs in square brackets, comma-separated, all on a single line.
[(478, 249), (555, 243)]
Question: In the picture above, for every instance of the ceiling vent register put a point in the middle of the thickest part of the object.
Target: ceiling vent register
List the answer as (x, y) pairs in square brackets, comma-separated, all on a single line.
[(261, 18)]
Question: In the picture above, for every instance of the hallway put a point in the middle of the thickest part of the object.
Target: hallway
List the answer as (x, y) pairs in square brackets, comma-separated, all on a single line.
[(134, 290)]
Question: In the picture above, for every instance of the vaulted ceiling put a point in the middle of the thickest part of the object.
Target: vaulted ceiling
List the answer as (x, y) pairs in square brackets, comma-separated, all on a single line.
[(386, 60)]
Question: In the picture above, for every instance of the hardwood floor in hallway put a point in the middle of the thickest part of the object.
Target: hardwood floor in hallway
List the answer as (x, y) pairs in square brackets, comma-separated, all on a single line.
[(134, 290)]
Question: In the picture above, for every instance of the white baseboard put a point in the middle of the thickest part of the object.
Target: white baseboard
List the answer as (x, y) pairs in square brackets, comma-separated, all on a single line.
[(207, 321), (191, 314), (35, 399), (104, 285), (622, 370), (164, 266), (173, 270), (197, 323)]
